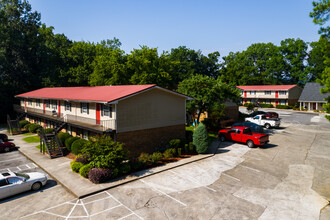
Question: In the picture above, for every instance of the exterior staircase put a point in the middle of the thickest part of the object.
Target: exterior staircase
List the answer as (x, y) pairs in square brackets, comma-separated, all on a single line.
[(52, 144)]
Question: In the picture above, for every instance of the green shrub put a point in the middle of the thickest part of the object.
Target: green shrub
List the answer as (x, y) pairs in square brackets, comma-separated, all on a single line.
[(124, 168), (23, 123), (192, 148), (33, 128), (283, 106), (75, 166), (200, 139), (77, 146), (327, 117), (144, 158), (103, 152), (186, 148), (179, 151), (49, 130), (84, 170), (174, 143), (264, 105), (63, 136), (169, 153), (250, 106), (155, 157), (68, 142), (27, 126)]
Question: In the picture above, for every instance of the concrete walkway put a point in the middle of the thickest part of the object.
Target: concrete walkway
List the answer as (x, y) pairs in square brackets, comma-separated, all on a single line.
[(60, 170)]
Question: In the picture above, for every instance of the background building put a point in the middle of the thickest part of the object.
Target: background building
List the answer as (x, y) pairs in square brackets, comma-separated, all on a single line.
[(311, 98)]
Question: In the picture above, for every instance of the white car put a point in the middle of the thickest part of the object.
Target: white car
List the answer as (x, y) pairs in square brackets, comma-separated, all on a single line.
[(263, 121), (13, 183)]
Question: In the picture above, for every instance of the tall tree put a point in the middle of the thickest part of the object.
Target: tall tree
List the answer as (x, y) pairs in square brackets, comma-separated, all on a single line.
[(19, 58), (207, 93), (109, 65), (321, 15), (294, 52)]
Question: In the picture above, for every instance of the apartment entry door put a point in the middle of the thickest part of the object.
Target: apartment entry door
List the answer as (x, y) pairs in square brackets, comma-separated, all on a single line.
[(98, 113)]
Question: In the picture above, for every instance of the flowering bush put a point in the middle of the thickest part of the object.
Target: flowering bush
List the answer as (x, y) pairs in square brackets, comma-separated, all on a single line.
[(99, 175), (144, 158), (82, 158)]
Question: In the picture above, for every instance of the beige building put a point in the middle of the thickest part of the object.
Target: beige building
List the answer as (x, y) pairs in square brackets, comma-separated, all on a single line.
[(271, 94), (141, 116)]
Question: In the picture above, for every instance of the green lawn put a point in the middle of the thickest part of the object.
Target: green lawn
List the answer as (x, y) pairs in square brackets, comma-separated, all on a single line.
[(27, 134), (34, 139)]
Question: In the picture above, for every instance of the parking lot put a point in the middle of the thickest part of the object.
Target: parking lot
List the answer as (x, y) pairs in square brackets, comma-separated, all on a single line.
[(288, 179)]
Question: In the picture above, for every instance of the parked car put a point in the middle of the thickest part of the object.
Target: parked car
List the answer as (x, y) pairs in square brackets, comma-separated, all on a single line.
[(13, 183), (243, 135), (272, 115), (7, 146), (4, 137), (253, 126), (263, 121), (257, 113)]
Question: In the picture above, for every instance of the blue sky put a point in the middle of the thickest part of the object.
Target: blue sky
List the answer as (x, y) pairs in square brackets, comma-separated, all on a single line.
[(219, 25)]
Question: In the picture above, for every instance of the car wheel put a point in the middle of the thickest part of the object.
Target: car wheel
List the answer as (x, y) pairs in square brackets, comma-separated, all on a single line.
[(7, 149), (222, 138), (250, 144), (267, 126), (36, 186)]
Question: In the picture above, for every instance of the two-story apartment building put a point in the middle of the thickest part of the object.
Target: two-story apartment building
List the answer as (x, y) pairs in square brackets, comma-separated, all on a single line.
[(271, 94), (141, 116)]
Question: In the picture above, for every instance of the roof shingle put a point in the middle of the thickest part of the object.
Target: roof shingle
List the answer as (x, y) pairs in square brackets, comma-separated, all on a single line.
[(312, 93)]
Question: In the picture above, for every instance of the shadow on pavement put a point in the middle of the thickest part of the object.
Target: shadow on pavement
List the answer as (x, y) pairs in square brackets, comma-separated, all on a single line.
[(267, 146)]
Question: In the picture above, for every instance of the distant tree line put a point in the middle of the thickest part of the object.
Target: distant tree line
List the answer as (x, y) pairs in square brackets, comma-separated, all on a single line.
[(32, 57)]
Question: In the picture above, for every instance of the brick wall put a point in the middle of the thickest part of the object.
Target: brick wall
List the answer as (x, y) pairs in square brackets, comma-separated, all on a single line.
[(147, 140)]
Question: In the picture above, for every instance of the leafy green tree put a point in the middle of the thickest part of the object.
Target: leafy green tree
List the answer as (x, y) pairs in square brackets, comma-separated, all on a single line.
[(146, 67), (294, 52), (316, 59), (207, 92), (200, 139), (320, 15), (109, 65)]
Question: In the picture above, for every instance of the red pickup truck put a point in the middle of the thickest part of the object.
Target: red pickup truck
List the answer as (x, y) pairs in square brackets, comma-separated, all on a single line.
[(244, 135)]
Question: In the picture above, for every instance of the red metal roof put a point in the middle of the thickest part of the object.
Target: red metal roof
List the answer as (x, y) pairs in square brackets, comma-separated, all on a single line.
[(267, 87), (96, 93)]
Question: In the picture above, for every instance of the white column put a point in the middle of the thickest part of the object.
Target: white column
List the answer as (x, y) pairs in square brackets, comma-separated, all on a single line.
[(317, 106), (309, 106), (300, 106)]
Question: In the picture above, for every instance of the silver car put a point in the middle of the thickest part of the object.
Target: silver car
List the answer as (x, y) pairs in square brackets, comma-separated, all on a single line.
[(13, 183)]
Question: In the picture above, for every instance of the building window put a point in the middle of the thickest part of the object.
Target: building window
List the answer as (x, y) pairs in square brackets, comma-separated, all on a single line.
[(268, 92), (267, 101), (282, 102), (47, 103), (252, 92), (54, 104), (84, 107), (38, 102), (282, 92), (30, 102), (67, 106), (107, 111), (22, 102)]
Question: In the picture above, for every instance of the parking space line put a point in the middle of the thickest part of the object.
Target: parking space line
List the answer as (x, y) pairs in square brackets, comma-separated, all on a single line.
[(72, 209), (97, 200), (8, 170), (28, 166), (124, 205), (9, 160), (125, 216), (193, 180), (18, 168), (258, 171), (231, 176), (105, 210), (50, 213), (155, 189), (84, 207)]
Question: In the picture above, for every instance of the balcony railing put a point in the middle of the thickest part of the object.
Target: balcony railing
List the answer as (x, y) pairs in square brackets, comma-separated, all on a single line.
[(73, 119)]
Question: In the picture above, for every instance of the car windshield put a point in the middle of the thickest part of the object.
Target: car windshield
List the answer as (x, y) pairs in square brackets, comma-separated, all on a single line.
[(23, 175)]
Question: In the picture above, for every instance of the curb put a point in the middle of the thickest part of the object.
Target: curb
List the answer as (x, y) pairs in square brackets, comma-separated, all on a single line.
[(68, 189), (128, 181)]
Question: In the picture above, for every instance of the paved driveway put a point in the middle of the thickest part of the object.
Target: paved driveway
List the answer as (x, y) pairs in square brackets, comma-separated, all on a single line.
[(288, 179)]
